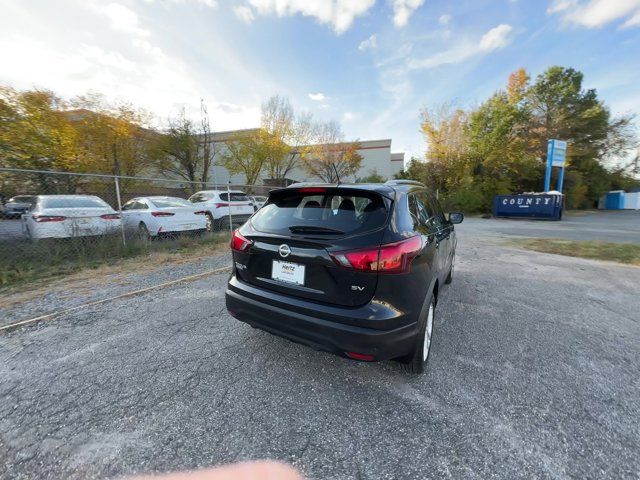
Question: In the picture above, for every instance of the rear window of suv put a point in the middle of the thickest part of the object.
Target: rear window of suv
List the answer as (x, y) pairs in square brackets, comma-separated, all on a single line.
[(235, 197), (337, 212)]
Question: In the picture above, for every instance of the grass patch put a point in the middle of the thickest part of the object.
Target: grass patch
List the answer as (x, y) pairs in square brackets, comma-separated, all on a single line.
[(628, 253), (22, 263)]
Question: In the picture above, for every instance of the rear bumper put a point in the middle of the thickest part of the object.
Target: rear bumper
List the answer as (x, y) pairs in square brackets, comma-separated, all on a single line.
[(328, 328)]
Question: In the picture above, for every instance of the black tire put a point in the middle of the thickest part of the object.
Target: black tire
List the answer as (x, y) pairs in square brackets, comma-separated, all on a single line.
[(417, 362), (450, 276), (143, 233), (210, 225)]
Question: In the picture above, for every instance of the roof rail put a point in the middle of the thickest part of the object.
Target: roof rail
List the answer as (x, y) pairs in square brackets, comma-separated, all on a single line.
[(404, 182)]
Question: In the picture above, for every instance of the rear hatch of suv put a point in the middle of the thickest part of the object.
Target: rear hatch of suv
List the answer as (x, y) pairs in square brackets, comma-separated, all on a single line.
[(296, 244)]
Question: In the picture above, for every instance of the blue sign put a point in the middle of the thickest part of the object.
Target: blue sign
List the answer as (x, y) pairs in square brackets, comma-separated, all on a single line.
[(556, 157), (558, 153)]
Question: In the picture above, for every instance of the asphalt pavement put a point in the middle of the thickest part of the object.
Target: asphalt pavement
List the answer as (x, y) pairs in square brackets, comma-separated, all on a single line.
[(533, 374), (617, 226)]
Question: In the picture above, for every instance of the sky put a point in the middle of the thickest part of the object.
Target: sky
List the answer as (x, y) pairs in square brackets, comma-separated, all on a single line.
[(372, 65)]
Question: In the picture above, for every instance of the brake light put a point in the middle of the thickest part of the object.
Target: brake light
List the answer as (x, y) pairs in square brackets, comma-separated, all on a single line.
[(110, 216), (312, 190), (218, 205), (390, 258), (48, 218), (239, 243), (162, 214)]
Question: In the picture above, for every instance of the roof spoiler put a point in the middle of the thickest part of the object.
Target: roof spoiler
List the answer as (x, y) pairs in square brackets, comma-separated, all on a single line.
[(404, 182)]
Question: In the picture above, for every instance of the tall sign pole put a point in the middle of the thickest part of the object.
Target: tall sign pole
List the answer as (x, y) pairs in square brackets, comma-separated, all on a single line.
[(556, 157)]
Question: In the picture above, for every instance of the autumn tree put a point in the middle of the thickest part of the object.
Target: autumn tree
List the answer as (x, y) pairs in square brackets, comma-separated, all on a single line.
[(246, 153), (186, 149), (285, 136), (114, 137), (330, 158), (35, 132)]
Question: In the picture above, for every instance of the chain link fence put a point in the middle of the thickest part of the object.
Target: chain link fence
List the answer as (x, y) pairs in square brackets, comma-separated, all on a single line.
[(52, 222)]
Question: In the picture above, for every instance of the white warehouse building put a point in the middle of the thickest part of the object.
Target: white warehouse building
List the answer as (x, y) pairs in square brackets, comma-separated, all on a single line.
[(376, 157)]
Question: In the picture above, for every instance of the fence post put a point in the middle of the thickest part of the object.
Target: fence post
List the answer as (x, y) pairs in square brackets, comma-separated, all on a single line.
[(229, 202), (124, 240)]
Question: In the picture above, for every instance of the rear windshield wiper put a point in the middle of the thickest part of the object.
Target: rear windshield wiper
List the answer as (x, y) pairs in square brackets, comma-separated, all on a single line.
[(312, 229)]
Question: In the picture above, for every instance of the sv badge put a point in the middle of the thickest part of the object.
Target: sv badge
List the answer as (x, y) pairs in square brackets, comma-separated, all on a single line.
[(357, 288)]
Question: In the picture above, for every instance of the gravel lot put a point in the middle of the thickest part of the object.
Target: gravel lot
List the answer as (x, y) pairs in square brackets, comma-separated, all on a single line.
[(534, 374)]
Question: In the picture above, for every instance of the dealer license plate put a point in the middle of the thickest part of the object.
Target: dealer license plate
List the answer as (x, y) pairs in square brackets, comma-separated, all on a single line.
[(288, 272)]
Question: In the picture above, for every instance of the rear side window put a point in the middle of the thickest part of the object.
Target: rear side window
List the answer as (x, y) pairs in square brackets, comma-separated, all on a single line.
[(170, 202), (334, 212), (235, 197), (71, 202), (201, 197)]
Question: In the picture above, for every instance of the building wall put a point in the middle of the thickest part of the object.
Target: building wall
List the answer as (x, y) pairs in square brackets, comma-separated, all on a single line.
[(376, 155)]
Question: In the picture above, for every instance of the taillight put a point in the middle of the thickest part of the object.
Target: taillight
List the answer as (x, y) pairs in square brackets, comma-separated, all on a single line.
[(162, 214), (48, 218), (218, 205), (239, 243), (390, 258), (110, 216)]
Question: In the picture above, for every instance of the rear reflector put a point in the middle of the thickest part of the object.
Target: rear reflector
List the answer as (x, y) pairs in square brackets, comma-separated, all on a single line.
[(239, 243), (162, 214), (49, 218), (390, 258), (360, 356), (110, 216)]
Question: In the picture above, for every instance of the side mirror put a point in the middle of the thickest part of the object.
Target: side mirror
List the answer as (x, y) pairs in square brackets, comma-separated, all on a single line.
[(456, 217)]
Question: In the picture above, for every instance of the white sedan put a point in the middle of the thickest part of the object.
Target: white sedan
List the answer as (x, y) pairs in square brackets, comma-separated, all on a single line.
[(68, 216), (154, 216)]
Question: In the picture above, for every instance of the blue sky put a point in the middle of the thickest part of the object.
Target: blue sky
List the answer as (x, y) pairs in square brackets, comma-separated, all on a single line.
[(372, 65)]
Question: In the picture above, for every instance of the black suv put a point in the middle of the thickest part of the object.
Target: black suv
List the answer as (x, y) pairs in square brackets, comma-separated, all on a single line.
[(351, 269)]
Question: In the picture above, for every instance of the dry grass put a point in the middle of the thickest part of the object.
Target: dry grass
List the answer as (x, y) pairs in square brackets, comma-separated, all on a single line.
[(627, 253), (78, 265)]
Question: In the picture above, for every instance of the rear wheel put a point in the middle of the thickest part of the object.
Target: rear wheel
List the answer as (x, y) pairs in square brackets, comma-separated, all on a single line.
[(417, 362), (210, 223), (143, 233)]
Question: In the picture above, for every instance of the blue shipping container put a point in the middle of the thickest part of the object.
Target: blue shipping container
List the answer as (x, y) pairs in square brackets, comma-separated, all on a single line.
[(528, 206), (615, 200)]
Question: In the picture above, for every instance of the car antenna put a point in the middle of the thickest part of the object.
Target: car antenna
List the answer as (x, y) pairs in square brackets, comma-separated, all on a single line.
[(336, 170)]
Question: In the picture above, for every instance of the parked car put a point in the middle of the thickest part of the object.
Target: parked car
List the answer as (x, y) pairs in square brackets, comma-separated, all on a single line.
[(154, 216), (18, 205), (352, 269), (257, 201), (217, 203), (67, 216)]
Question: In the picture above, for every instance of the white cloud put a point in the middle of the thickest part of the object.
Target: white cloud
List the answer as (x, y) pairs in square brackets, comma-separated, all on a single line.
[(244, 13), (403, 9), (340, 14), (370, 42), (445, 19), (597, 13), (121, 18), (350, 116), (495, 39), (206, 3), (317, 97), (634, 21)]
